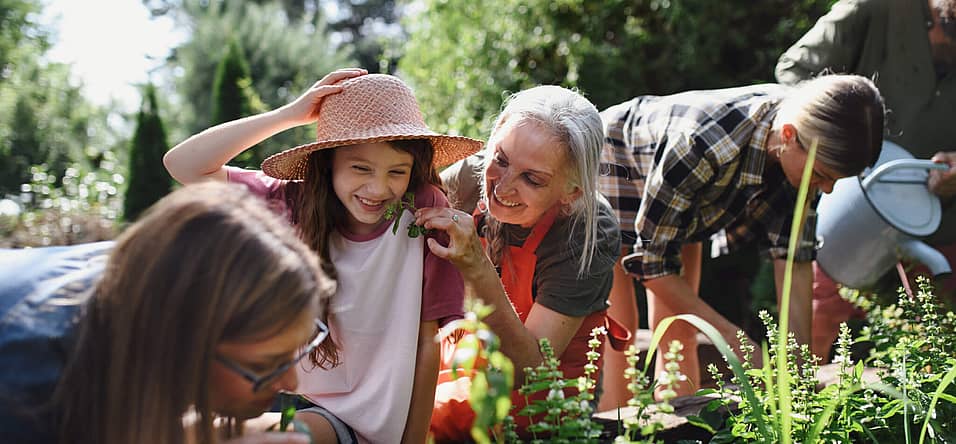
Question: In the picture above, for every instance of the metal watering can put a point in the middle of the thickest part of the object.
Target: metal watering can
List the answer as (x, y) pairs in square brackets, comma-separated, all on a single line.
[(867, 225)]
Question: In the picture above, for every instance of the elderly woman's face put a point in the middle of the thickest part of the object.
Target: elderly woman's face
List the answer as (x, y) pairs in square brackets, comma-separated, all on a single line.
[(527, 174)]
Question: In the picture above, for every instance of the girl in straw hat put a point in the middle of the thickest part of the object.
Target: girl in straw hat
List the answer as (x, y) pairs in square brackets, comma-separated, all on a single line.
[(376, 383)]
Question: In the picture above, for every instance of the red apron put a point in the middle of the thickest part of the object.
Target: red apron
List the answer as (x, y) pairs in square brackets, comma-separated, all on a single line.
[(452, 417)]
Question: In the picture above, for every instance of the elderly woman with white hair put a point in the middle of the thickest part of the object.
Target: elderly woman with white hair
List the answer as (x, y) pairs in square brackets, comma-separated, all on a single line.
[(531, 235)]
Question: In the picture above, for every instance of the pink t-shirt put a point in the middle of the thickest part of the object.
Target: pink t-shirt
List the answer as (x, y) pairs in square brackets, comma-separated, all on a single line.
[(442, 285)]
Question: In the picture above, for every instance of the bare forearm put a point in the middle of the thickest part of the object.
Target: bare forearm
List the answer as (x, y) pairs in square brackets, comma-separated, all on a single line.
[(203, 155), (423, 390), (517, 342), (680, 297)]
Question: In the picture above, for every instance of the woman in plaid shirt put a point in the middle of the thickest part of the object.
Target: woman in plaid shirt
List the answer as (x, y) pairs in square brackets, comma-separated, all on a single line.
[(686, 166)]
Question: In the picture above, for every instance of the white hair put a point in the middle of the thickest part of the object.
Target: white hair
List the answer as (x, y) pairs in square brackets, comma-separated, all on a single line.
[(573, 121)]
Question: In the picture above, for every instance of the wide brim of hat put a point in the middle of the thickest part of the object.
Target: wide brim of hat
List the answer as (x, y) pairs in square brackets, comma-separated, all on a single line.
[(291, 164)]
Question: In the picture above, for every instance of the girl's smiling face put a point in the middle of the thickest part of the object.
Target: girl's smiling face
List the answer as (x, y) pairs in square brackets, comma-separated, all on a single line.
[(366, 178), (527, 174)]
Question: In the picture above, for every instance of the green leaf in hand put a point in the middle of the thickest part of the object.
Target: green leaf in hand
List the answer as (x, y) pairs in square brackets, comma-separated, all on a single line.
[(287, 405), (394, 211)]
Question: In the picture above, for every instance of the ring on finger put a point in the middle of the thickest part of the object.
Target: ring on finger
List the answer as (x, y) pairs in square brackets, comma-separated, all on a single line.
[(454, 218)]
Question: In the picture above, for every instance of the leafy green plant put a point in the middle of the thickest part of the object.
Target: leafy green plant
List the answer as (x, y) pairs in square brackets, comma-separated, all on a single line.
[(492, 373), (913, 345), (762, 424), (828, 415), (394, 211), (642, 395), (565, 418)]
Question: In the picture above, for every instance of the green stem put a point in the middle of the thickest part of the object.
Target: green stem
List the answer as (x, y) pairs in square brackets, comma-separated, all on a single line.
[(783, 377)]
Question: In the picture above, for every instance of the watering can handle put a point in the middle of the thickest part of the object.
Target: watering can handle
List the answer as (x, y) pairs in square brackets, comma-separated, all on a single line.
[(901, 164)]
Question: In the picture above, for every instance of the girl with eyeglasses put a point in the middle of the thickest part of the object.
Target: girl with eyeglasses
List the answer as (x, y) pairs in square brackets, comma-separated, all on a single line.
[(190, 323)]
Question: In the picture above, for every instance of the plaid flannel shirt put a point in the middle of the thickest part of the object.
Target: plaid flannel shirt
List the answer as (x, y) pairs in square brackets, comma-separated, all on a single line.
[(681, 168)]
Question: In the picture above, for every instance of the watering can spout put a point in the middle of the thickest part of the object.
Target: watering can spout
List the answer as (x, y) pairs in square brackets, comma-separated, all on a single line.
[(928, 256)]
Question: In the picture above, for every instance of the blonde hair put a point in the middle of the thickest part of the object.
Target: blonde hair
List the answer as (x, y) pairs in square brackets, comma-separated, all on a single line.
[(843, 114), (575, 123), (209, 263)]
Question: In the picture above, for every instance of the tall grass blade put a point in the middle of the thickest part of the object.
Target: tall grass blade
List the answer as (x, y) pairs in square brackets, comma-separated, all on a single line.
[(783, 377)]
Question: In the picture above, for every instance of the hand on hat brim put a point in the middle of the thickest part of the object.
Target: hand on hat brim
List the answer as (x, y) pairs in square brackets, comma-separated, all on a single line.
[(305, 108)]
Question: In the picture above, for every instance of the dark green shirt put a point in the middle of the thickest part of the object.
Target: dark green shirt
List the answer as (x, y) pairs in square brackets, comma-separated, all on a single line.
[(887, 40)]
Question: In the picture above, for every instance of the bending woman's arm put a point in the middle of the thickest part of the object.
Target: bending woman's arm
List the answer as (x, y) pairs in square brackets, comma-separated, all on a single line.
[(203, 155), (682, 298), (482, 281)]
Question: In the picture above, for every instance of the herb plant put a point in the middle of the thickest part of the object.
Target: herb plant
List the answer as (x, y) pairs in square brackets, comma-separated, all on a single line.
[(563, 419), (641, 428), (492, 374), (394, 211), (287, 409), (913, 350)]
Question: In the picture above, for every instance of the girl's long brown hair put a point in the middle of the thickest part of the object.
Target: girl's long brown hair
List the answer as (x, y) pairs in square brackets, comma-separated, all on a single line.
[(207, 264), (318, 212)]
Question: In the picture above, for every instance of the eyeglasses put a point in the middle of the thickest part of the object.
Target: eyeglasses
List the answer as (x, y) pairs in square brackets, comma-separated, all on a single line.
[(322, 332)]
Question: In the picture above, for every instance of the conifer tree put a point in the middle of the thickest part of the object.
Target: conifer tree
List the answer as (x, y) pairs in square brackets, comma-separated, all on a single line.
[(148, 179), (233, 97)]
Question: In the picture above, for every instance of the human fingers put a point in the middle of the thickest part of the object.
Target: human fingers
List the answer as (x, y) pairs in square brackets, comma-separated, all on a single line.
[(438, 250), (947, 157), (457, 229), (339, 75), (943, 182), (444, 218), (317, 93)]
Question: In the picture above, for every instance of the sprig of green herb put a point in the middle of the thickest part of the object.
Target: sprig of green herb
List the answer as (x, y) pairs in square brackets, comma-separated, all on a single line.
[(394, 211), (287, 405), (287, 410)]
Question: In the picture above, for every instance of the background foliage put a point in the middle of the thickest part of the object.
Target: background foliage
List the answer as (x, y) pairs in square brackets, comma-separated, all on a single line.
[(462, 58), (463, 55), (147, 184)]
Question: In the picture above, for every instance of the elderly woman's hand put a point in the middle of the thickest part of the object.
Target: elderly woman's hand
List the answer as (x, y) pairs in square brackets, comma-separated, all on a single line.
[(943, 183), (464, 247)]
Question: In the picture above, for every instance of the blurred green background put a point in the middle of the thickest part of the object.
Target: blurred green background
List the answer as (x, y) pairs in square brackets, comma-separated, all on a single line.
[(75, 170)]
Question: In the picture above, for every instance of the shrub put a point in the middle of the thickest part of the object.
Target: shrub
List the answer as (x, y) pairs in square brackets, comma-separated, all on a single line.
[(85, 208)]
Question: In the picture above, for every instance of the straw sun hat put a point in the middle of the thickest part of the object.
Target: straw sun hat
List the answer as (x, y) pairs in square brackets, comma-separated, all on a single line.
[(371, 108)]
